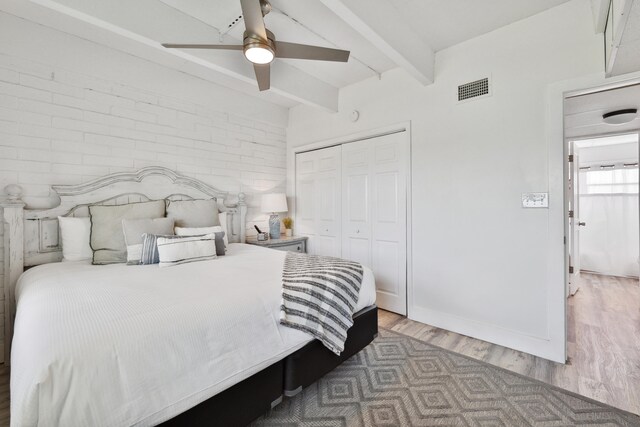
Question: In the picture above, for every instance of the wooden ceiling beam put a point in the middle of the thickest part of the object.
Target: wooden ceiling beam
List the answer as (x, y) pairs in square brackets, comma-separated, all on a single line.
[(382, 25)]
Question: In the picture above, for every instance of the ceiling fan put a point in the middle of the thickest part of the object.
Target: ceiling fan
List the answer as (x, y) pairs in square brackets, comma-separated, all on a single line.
[(260, 46)]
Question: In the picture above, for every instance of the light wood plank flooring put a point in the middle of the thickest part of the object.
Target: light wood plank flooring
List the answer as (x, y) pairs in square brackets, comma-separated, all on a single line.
[(603, 344)]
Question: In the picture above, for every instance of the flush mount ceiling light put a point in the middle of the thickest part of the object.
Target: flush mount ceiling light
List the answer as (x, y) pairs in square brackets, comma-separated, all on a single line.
[(620, 117), (260, 46)]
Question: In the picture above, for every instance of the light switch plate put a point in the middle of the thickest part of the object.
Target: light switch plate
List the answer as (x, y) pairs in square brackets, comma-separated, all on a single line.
[(535, 200)]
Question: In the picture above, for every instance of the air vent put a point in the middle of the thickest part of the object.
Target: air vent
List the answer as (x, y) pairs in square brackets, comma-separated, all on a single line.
[(473, 89)]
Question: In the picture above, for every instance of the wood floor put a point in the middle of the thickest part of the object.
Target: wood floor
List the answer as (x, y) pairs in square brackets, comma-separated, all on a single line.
[(604, 346)]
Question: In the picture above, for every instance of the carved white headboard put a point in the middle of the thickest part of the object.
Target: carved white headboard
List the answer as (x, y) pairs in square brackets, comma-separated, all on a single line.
[(31, 236)]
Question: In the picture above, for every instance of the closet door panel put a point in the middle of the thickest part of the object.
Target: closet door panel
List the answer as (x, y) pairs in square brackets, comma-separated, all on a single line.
[(389, 221), (305, 164), (357, 192), (358, 250), (328, 194), (318, 200), (386, 208), (356, 198), (305, 222), (386, 242), (387, 266), (305, 218)]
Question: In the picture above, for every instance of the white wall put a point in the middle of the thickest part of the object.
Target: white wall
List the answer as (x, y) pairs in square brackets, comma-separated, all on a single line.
[(72, 111), (480, 261)]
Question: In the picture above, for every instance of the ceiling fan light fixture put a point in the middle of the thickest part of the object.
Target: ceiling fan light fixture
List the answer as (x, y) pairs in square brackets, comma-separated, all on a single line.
[(259, 54), (258, 50), (259, 45), (620, 117)]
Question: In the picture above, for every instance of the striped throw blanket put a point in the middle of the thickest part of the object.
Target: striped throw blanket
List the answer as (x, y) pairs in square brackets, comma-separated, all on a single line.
[(319, 295)]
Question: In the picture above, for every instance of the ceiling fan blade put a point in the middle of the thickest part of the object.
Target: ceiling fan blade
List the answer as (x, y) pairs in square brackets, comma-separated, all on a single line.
[(263, 76), (202, 46), (253, 20), (304, 51)]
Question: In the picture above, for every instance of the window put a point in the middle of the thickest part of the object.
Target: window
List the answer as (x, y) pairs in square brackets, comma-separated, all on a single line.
[(609, 181)]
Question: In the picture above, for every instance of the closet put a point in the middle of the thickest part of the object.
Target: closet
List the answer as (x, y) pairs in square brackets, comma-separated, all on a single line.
[(351, 202)]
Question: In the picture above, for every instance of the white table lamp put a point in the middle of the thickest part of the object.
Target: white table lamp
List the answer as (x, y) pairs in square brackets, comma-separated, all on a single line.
[(274, 203)]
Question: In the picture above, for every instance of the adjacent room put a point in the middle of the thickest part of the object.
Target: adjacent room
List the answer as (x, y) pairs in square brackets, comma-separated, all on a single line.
[(319, 212), (603, 246)]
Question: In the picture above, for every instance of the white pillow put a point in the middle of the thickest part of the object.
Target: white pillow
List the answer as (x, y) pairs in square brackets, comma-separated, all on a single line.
[(75, 234), (223, 223), (181, 250), (197, 231)]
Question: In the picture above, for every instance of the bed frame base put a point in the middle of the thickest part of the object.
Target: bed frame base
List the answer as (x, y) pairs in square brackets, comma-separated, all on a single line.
[(253, 397), (314, 360), (238, 405)]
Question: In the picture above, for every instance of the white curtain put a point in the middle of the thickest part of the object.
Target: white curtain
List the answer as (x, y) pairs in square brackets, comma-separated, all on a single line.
[(609, 243)]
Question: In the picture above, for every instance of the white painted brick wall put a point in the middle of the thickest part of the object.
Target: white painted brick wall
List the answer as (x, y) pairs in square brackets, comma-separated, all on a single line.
[(62, 127)]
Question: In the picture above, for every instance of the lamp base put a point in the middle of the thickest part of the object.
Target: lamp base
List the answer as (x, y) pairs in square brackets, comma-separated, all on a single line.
[(274, 226)]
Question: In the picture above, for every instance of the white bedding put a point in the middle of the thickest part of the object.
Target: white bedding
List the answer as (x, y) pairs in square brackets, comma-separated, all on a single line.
[(120, 345)]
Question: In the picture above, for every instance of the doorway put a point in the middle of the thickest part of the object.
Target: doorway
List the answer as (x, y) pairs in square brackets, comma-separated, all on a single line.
[(603, 240), (604, 213)]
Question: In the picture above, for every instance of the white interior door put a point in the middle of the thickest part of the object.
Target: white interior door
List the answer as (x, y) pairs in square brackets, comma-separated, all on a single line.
[(574, 219), (318, 200), (374, 219), (389, 220)]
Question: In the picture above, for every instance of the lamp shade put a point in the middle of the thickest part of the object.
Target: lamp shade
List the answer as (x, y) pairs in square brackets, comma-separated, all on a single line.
[(274, 202)]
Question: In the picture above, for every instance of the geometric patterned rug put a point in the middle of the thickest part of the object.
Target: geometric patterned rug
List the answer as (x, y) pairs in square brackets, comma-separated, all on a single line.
[(400, 381)]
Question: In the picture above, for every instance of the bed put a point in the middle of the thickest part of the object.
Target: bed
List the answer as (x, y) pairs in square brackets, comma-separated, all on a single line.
[(198, 343)]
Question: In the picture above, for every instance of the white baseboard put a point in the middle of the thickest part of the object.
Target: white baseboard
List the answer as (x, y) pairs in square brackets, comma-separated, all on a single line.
[(537, 346)]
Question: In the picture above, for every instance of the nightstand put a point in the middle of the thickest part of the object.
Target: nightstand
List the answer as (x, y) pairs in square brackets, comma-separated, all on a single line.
[(291, 244)]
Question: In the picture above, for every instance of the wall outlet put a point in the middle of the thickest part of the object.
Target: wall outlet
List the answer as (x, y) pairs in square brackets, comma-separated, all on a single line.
[(535, 200)]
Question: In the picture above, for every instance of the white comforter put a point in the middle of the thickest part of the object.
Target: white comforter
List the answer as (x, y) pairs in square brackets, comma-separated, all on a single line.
[(126, 345)]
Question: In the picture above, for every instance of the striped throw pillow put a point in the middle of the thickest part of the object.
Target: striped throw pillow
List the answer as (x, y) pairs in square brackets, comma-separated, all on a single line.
[(181, 250), (149, 253), (217, 230)]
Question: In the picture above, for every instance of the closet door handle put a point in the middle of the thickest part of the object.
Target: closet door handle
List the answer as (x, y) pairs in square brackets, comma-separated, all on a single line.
[(582, 224)]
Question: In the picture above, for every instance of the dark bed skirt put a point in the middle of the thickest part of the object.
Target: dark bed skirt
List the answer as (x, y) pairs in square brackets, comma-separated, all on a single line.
[(249, 399)]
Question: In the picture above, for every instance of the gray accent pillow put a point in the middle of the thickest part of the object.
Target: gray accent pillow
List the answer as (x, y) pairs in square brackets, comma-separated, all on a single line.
[(193, 213), (134, 229), (220, 248), (107, 238)]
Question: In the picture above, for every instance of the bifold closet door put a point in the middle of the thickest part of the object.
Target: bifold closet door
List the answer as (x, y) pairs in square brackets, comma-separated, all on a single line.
[(318, 201), (356, 202), (374, 219)]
